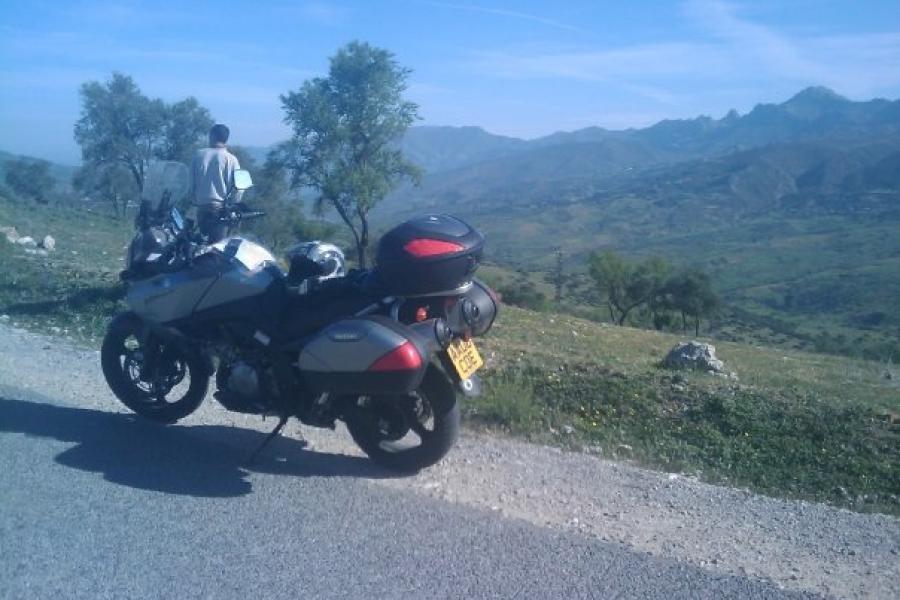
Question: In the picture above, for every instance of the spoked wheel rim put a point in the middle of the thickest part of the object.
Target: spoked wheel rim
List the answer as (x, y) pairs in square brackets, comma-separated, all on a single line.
[(400, 423), (154, 379), (169, 382), (408, 432)]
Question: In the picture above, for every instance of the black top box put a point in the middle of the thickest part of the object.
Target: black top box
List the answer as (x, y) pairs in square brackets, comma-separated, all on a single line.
[(428, 255)]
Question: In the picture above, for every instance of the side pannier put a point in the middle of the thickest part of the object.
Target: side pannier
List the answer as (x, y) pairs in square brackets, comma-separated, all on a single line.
[(365, 355)]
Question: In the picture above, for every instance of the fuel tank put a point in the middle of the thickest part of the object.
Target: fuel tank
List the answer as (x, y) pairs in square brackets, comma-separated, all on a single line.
[(230, 272)]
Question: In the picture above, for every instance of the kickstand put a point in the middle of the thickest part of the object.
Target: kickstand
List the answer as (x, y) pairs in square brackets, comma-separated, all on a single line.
[(281, 423)]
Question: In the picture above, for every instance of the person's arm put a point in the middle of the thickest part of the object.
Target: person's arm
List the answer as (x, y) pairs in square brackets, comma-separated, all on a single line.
[(192, 182), (233, 165)]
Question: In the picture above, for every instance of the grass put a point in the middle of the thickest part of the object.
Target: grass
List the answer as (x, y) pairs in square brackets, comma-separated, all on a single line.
[(794, 424), (74, 289)]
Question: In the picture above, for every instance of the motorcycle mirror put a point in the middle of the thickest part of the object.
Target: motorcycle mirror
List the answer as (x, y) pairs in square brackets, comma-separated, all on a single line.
[(242, 179)]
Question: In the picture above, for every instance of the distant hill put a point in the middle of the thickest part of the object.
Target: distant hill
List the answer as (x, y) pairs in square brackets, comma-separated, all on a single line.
[(794, 207), (438, 149), (62, 173)]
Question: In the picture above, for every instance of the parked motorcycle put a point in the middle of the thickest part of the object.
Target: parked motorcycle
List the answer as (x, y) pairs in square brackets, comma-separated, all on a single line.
[(386, 350)]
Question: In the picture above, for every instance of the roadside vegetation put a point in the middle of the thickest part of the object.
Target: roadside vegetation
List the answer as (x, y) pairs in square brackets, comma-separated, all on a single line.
[(793, 424)]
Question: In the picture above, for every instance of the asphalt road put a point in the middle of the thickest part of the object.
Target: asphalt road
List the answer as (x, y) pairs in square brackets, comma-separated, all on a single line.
[(99, 504)]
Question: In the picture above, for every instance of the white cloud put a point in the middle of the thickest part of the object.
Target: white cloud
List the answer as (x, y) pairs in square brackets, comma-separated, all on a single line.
[(732, 52), (514, 14), (323, 13), (858, 64)]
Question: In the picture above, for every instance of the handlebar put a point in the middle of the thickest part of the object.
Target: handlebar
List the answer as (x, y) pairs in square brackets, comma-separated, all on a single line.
[(236, 215)]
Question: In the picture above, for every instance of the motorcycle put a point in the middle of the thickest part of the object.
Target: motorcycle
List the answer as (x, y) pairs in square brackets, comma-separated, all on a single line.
[(386, 350)]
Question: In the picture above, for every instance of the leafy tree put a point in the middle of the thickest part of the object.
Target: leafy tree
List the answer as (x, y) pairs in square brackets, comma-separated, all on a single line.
[(284, 223), (611, 273), (186, 125), (345, 128), (108, 183), (650, 279), (121, 126), (625, 286), (30, 178), (690, 292)]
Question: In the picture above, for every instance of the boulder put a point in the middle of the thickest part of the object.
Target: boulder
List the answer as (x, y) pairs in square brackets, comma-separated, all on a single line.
[(27, 242), (694, 355), (48, 243), (11, 234)]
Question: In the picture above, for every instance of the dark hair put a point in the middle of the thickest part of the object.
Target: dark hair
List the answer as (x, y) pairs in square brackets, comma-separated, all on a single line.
[(219, 133)]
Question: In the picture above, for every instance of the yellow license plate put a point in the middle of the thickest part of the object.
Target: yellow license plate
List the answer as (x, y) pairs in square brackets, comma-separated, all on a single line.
[(465, 357)]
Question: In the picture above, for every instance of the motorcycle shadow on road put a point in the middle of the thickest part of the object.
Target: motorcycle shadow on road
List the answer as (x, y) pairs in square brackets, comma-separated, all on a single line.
[(200, 460)]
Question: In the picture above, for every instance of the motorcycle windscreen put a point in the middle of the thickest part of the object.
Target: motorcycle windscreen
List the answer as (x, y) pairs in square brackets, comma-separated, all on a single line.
[(165, 181), (367, 356)]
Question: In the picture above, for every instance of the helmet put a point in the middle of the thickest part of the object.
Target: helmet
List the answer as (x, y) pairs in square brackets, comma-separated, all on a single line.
[(329, 257)]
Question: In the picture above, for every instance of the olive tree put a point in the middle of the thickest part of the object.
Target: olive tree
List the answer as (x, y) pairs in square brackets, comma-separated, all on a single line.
[(345, 129), (625, 286), (30, 178), (110, 183), (691, 293), (121, 128), (284, 223)]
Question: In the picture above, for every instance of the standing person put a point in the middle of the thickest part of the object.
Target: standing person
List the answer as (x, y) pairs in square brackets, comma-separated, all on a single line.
[(212, 183)]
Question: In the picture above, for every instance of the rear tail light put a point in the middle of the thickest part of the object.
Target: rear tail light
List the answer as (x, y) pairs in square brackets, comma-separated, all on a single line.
[(423, 248), (402, 358)]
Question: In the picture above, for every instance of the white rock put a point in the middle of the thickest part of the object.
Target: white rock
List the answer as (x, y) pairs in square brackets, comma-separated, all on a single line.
[(11, 234), (48, 243), (694, 355), (27, 241)]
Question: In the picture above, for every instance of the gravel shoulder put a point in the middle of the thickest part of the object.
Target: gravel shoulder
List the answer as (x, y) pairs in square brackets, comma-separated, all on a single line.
[(799, 546)]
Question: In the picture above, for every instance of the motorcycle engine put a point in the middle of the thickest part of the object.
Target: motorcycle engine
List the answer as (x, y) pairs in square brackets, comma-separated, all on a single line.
[(243, 380), (240, 387)]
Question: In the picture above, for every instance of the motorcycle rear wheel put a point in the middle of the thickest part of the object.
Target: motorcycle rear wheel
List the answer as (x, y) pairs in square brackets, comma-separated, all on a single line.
[(165, 398), (381, 424)]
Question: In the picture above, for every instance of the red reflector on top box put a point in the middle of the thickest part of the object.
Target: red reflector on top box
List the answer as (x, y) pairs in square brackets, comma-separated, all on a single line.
[(402, 358), (425, 247)]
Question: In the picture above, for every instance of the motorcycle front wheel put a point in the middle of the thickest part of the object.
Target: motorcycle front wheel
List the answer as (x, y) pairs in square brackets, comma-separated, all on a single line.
[(170, 390), (410, 432)]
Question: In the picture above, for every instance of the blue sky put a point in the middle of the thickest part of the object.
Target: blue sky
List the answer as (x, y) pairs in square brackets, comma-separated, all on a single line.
[(518, 68)]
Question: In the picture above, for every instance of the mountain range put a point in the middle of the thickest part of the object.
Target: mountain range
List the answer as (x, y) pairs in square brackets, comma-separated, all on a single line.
[(812, 115), (793, 207)]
